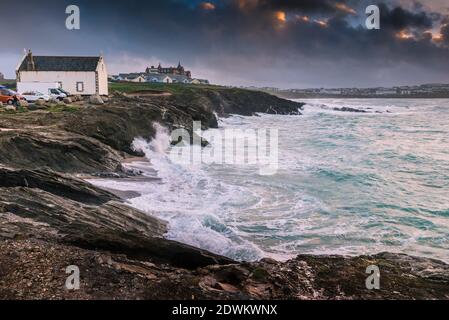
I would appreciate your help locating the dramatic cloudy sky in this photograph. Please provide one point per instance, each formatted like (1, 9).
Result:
(284, 43)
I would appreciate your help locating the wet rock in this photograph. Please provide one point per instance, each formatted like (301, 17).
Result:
(57, 149)
(348, 109)
(49, 206)
(247, 103)
(55, 183)
(39, 102)
(96, 100)
(22, 104)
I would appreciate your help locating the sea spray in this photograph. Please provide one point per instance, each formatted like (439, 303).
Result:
(191, 201)
(158, 145)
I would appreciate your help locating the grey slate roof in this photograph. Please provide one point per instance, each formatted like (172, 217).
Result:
(179, 78)
(156, 77)
(49, 63)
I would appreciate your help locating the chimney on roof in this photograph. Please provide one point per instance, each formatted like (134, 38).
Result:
(30, 61)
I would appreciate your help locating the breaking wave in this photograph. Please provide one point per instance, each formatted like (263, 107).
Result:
(348, 183)
(191, 201)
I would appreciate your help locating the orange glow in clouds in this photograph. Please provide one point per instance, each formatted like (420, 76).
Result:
(437, 37)
(321, 23)
(247, 4)
(344, 8)
(281, 16)
(303, 18)
(207, 6)
(403, 35)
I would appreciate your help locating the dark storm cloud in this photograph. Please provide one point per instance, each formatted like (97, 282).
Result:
(263, 42)
(321, 6)
(399, 18)
(445, 34)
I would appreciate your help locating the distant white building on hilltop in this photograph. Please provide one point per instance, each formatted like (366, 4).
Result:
(160, 75)
(77, 75)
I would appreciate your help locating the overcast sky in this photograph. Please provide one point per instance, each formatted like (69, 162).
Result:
(283, 43)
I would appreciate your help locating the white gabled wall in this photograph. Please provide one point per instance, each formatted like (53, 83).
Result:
(102, 72)
(69, 79)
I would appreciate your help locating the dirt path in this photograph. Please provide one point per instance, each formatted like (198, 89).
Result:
(149, 93)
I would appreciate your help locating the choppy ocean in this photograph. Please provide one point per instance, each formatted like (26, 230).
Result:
(348, 183)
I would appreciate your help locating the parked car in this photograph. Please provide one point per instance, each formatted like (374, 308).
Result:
(48, 88)
(55, 93)
(7, 96)
(32, 96)
(64, 92)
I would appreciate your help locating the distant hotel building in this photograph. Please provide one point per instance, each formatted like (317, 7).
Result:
(161, 75)
(179, 70)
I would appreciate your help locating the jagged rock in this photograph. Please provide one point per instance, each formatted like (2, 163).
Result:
(55, 207)
(116, 276)
(57, 149)
(10, 108)
(348, 109)
(67, 100)
(247, 103)
(22, 104)
(39, 102)
(96, 100)
(55, 183)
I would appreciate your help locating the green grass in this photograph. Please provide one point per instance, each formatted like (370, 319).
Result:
(63, 108)
(181, 92)
(18, 111)
(128, 87)
(53, 109)
(11, 84)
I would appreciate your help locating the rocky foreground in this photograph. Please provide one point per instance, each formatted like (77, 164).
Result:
(50, 219)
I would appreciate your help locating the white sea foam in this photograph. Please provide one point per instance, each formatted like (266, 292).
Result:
(189, 200)
(347, 183)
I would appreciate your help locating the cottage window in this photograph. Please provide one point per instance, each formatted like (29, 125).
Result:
(80, 86)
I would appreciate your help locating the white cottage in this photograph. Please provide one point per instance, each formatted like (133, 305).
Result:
(159, 78)
(77, 75)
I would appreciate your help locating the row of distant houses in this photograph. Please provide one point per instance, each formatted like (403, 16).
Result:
(157, 78)
(161, 74)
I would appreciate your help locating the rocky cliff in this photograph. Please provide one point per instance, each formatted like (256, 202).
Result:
(49, 219)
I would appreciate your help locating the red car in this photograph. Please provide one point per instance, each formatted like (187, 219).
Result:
(8, 96)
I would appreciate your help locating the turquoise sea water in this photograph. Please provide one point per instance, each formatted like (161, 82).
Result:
(348, 183)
